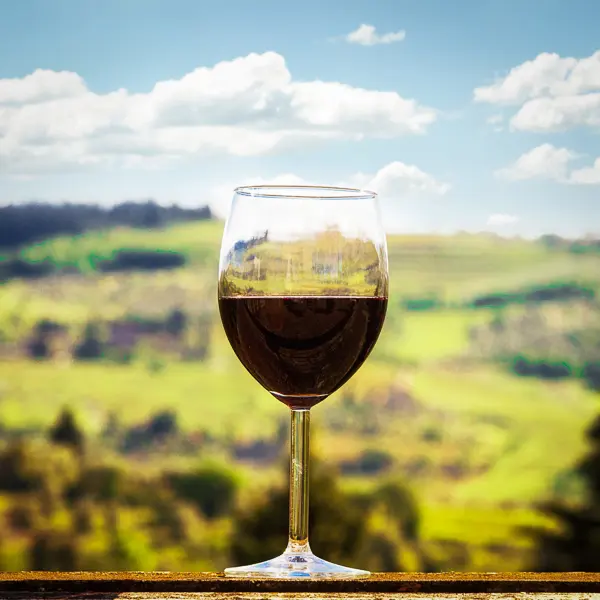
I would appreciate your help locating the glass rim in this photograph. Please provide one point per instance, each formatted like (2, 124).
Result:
(304, 192)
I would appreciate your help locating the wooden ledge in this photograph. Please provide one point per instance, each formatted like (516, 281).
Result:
(40, 584)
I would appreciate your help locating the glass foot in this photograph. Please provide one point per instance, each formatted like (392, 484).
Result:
(293, 565)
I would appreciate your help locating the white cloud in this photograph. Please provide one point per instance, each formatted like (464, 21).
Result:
(394, 181)
(366, 35)
(39, 86)
(587, 175)
(500, 220)
(398, 179)
(363, 112)
(247, 106)
(554, 93)
(542, 162)
(557, 114)
(548, 162)
(532, 79)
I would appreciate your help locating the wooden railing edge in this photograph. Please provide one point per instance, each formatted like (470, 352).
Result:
(173, 582)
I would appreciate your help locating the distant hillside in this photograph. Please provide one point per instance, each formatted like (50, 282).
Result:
(117, 249)
(34, 222)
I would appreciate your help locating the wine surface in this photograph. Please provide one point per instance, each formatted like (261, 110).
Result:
(302, 348)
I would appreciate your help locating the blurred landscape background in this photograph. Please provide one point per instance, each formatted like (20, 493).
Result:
(130, 435)
(132, 438)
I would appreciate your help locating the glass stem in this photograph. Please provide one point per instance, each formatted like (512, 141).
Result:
(299, 458)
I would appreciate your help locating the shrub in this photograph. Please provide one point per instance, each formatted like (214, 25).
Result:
(370, 462)
(591, 374)
(212, 489)
(161, 427)
(421, 304)
(66, 432)
(142, 260)
(18, 268)
(543, 369)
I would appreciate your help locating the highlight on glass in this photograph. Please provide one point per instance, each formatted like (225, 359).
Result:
(302, 291)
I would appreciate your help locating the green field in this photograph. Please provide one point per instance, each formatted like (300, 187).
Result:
(479, 445)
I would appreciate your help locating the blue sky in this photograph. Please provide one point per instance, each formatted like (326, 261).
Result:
(515, 157)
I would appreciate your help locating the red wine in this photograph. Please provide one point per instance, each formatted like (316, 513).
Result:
(302, 348)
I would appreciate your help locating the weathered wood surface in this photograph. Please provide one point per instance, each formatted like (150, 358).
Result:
(214, 586)
(289, 596)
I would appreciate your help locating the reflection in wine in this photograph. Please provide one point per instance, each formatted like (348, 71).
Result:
(302, 348)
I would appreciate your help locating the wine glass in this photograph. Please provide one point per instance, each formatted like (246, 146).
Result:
(303, 286)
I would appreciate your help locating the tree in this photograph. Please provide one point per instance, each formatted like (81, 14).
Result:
(176, 322)
(37, 348)
(211, 488)
(90, 348)
(17, 465)
(401, 505)
(24, 223)
(163, 425)
(66, 432)
(576, 544)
